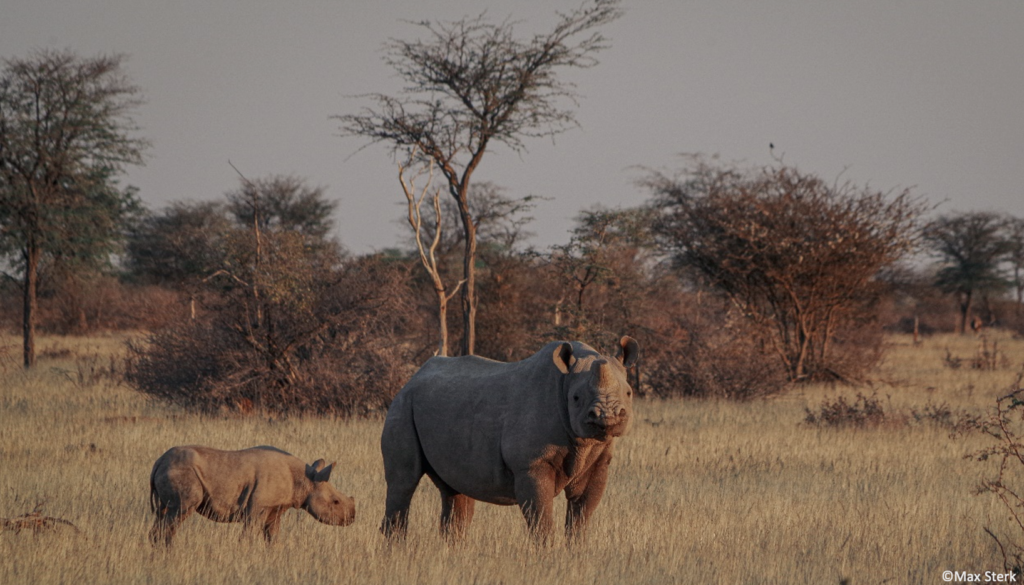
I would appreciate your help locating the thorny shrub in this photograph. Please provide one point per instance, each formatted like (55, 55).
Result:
(1005, 425)
(985, 358)
(862, 411)
(317, 339)
(692, 353)
(867, 411)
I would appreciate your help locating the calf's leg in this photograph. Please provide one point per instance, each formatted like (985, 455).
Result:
(169, 515)
(272, 524)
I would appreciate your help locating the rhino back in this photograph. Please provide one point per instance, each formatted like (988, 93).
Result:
(478, 419)
(235, 481)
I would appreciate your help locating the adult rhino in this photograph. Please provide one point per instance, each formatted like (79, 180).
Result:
(508, 433)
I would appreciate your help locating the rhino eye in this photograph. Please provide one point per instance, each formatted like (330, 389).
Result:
(576, 398)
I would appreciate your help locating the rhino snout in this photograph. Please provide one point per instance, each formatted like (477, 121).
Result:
(604, 417)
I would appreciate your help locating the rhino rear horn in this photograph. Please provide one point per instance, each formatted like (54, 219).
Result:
(563, 357)
(629, 351)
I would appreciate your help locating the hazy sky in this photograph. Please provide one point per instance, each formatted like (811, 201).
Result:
(892, 93)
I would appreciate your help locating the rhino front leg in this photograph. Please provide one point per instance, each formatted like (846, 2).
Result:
(583, 497)
(535, 494)
(251, 519)
(272, 524)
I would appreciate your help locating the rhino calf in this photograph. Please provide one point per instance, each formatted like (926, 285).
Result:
(253, 486)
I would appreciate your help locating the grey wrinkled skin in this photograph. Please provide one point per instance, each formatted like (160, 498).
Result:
(253, 486)
(508, 433)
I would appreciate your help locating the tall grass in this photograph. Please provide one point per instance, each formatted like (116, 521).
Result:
(700, 491)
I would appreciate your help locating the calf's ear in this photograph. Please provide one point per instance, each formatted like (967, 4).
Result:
(324, 474)
(563, 357)
(629, 351)
(314, 468)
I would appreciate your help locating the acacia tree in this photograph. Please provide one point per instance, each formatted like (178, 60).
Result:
(66, 133)
(499, 223)
(970, 247)
(287, 203)
(602, 243)
(472, 84)
(1015, 257)
(427, 238)
(797, 256)
(179, 246)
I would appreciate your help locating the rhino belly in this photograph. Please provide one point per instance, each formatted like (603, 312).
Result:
(470, 463)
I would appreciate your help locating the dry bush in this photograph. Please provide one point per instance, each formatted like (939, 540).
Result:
(867, 411)
(797, 255)
(104, 303)
(703, 352)
(863, 411)
(985, 358)
(95, 303)
(517, 311)
(338, 347)
(1005, 426)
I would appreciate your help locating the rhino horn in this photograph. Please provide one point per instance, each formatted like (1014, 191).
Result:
(605, 377)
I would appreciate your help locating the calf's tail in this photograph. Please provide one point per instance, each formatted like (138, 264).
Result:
(154, 499)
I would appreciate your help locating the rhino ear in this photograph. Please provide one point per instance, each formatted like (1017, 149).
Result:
(325, 473)
(314, 468)
(629, 351)
(563, 357)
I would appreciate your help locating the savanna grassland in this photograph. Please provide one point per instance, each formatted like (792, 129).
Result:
(701, 491)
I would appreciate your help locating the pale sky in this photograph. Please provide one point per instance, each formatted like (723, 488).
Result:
(926, 94)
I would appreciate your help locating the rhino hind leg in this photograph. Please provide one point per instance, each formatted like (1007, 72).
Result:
(169, 515)
(456, 510)
(404, 466)
(175, 494)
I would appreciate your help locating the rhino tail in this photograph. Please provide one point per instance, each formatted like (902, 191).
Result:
(154, 498)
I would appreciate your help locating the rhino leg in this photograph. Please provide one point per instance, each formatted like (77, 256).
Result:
(253, 517)
(456, 510)
(167, 521)
(583, 496)
(175, 494)
(404, 466)
(535, 494)
(272, 524)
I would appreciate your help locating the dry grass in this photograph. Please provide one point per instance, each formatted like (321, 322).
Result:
(701, 491)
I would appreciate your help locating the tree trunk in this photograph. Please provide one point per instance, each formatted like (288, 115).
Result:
(469, 288)
(965, 311)
(32, 254)
(442, 322)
